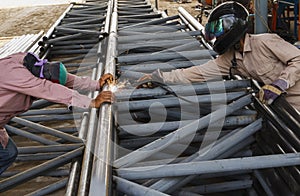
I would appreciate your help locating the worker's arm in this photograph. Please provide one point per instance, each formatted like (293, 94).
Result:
(213, 69)
(86, 83)
(82, 83)
(22, 81)
(289, 55)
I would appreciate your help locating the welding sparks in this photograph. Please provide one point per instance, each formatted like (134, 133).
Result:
(114, 86)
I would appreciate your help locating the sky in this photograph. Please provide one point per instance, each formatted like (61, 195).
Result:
(25, 3)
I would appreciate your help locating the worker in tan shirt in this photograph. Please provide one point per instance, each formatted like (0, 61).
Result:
(24, 77)
(266, 58)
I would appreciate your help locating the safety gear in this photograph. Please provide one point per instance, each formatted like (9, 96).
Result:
(227, 23)
(268, 93)
(53, 71)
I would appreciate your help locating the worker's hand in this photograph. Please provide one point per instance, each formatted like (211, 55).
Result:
(150, 80)
(103, 97)
(145, 81)
(3, 137)
(106, 79)
(268, 93)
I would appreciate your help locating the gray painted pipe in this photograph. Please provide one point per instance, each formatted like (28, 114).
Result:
(45, 129)
(190, 89)
(50, 188)
(38, 157)
(173, 137)
(37, 170)
(170, 36)
(63, 38)
(178, 102)
(74, 176)
(46, 112)
(134, 189)
(220, 187)
(162, 44)
(45, 118)
(150, 128)
(152, 22)
(52, 148)
(31, 136)
(165, 56)
(208, 153)
(215, 166)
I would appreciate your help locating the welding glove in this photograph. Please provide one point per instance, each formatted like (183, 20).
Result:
(103, 97)
(106, 79)
(268, 93)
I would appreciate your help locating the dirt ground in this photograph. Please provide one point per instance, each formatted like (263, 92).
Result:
(171, 6)
(28, 20)
(31, 20)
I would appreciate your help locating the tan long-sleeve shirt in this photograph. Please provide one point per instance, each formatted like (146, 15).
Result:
(266, 57)
(19, 87)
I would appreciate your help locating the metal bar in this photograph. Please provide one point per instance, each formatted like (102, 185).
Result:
(31, 136)
(220, 187)
(101, 173)
(46, 112)
(38, 157)
(204, 167)
(45, 129)
(50, 188)
(210, 152)
(192, 89)
(134, 189)
(52, 148)
(46, 118)
(165, 56)
(179, 101)
(72, 187)
(63, 38)
(162, 143)
(149, 128)
(170, 36)
(35, 171)
(158, 21)
(86, 164)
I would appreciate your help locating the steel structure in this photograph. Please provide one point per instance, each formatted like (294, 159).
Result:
(185, 139)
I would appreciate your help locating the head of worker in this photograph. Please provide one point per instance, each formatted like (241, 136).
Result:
(41, 68)
(226, 26)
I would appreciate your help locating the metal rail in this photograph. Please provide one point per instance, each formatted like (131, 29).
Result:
(168, 140)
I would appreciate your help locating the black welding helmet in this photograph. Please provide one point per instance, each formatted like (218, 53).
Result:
(227, 23)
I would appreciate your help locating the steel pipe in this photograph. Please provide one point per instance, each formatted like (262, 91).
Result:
(50, 188)
(35, 171)
(31, 136)
(101, 173)
(134, 189)
(215, 166)
(47, 130)
(162, 143)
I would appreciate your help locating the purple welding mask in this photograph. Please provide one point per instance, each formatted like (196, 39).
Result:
(41, 68)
